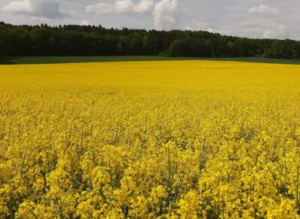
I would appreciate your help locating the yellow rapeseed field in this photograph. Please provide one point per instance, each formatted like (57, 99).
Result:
(174, 139)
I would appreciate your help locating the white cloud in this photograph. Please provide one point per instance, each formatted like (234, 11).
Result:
(100, 8)
(279, 33)
(263, 9)
(164, 14)
(211, 30)
(38, 9)
(144, 6)
(122, 7)
(19, 7)
(84, 23)
(196, 25)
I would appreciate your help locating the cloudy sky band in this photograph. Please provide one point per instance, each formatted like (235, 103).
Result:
(250, 18)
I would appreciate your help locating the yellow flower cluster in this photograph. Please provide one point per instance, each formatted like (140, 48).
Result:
(177, 139)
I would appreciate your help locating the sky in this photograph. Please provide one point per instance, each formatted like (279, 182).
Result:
(247, 18)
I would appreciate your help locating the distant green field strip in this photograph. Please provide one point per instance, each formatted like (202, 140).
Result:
(79, 59)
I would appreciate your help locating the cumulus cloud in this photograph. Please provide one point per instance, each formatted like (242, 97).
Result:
(122, 7)
(144, 6)
(164, 14)
(19, 7)
(211, 30)
(38, 9)
(84, 23)
(197, 25)
(279, 33)
(263, 9)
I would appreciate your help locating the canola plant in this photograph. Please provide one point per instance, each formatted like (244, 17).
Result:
(174, 139)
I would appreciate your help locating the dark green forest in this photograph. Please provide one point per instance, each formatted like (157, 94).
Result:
(76, 40)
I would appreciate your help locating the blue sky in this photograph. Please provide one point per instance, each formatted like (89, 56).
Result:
(250, 18)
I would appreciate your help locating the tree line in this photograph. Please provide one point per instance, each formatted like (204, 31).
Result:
(44, 40)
